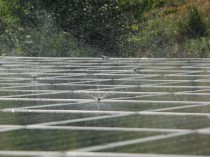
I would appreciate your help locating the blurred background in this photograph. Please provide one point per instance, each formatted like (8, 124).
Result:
(115, 28)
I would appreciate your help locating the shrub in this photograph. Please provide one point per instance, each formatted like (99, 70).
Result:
(199, 47)
(191, 25)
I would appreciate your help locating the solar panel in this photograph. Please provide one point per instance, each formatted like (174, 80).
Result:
(109, 107)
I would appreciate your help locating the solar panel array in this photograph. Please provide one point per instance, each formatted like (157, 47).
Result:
(108, 107)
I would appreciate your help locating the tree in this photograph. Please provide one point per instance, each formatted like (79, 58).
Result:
(101, 24)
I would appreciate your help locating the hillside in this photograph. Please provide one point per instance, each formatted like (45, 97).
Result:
(125, 28)
(178, 28)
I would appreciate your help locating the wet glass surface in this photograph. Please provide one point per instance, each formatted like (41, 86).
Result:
(5, 104)
(59, 140)
(193, 144)
(150, 121)
(34, 118)
(119, 105)
(200, 109)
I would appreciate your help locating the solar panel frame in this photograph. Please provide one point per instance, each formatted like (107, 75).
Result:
(104, 107)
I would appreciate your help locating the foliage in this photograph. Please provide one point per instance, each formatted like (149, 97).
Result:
(89, 21)
(43, 40)
(34, 33)
(126, 28)
(7, 12)
(191, 25)
(201, 45)
(174, 29)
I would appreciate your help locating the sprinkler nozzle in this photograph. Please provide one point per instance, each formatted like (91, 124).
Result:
(99, 99)
(34, 77)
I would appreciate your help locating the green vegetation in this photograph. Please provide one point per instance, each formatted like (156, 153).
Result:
(174, 29)
(126, 28)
